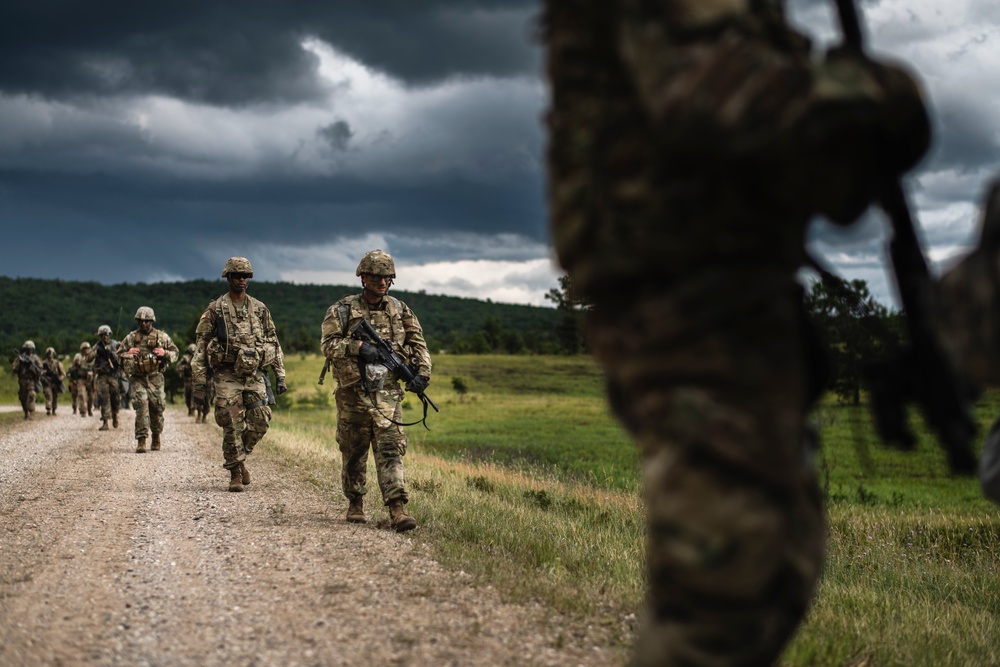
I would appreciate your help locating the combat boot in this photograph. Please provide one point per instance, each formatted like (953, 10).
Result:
(155, 445)
(401, 521)
(104, 425)
(356, 511)
(244, 473)
(47, 412)
(114, 420)
(235, 479)
(140, 447)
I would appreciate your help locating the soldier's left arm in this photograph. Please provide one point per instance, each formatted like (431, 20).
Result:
(271, 337)
(169, 347)
(414, 341)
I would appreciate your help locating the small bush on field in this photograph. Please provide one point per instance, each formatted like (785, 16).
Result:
(458, 384)
(480, 483)
(539, 497)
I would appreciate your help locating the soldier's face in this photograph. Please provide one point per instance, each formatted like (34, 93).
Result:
(238, 282)
(376, 285)
(145, 326)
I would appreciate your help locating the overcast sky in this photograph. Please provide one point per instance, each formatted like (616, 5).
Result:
(143, 142)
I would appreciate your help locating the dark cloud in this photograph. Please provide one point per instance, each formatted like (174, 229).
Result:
(337, 134)
(234, 54)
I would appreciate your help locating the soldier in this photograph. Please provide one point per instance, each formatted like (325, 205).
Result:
(201, 407)
(144, 354)
(369, 408)
(28, 369)
(52, 380)
(107, 367)
(690, 143)
(237, 340)
(83, 378)
(184, 370)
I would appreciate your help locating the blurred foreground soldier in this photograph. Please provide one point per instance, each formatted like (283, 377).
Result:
(966, 306)
(104, 360)
(83, 378)
(52, 380)
(690, 143)
(184, 370)
(369, 407)
(236, 339)
(144, 353)
(28, 369)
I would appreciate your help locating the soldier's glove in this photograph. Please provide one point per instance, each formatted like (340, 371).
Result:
(282, 387)
(418, 384)
(368, 352)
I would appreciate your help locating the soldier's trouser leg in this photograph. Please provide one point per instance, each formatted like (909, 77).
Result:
(389, 445)
(49, 394)
(241, 429)
(735, 526)
(360, 426)
(26, 395)
(354, 437)
(107, 396)
(140, 404)
(157, 405)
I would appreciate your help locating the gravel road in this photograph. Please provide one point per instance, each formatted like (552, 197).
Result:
(108, 557)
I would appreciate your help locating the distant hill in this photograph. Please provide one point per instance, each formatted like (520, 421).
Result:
(63, 313)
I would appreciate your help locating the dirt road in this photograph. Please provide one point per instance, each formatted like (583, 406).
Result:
(108, 557)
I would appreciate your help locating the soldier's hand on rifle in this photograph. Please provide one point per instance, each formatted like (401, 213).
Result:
(418, 384)
(282, 387)
(368, 352)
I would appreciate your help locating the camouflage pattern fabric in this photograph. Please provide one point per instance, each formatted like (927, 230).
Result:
(362, 426)
(50, 387)
(28, 377)
(84, 383)
(248, 327)
(107, 395)
(690, 142)
(149, 399)
(363, 418)
(184, 370)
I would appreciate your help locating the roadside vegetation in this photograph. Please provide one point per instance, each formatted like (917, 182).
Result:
(526, 482)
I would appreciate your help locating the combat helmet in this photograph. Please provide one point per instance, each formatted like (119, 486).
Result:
(28, 345)
(104, 329)
(50, 352)
(377, 263)
(145, 313)
(237, 265)
(84, 346)
(192, 348)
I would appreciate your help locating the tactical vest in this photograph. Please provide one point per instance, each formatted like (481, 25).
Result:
(387, 321)
(238, 339)
(145, 362)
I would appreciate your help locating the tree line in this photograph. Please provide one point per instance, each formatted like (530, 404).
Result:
(61, 314)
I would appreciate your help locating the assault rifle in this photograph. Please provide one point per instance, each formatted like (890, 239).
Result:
(54, 381)
(921, 374)
(389, 358)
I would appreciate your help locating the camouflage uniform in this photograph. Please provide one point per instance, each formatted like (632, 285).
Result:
(52, 380)
(146, 379)
(363, 418)
(184, 370)
(690, 142)
(241, 407)
(28, 369)
(107, 368)
(83, 379)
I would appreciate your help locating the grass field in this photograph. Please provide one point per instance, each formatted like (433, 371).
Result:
(525, 481)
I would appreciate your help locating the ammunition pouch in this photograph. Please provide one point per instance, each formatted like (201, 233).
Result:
(215, 352)
(247, 362)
